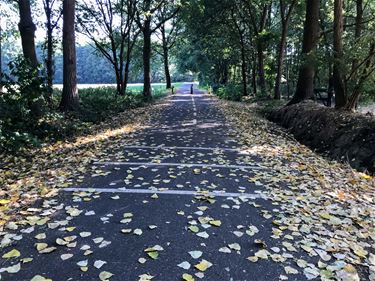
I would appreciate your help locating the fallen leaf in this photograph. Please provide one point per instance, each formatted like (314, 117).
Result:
(12, 254)
(203, 265)
(105, 275)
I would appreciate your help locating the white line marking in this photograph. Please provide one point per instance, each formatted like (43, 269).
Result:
(182, 165)
(183, 148)
(192, 122)
(168, 192)
(194, 107)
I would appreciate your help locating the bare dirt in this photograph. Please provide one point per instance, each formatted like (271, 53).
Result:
(348, 137)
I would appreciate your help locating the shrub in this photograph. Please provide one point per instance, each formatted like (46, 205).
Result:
(230, 92)
(22, 105)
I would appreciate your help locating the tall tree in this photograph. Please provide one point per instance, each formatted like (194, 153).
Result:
(110, 26)
(286, 12)
(259, 15)
(52, 19)
(1, 53)
(338, 75)
(27, 30)
(149, 23)
(311, 34)
(241, 33)
(168, 34)
(70, 98)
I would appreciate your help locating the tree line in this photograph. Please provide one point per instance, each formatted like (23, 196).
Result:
(281, 48)
(114, 27)
(267, 48)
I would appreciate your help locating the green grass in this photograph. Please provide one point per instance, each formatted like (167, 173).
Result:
(155, 87)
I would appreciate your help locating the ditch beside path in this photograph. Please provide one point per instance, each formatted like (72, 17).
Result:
(181, 200)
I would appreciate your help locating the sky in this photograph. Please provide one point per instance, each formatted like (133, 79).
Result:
(11, 20)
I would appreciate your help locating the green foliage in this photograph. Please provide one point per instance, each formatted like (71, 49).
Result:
(26, 121)
(230, 92)
(97, 104)
(22, 104)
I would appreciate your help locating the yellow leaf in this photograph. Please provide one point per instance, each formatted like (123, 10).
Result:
(203, 265)
(70, 229)
(153, 255)
(187, 277)
(41, 246)
(215, 223)
(4, 201)
(194, 228)
(12, 254)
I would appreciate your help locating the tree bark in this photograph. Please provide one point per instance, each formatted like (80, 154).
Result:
(147, 91)
(244, 68)
(280, 62)
(285, 19)
(260, 49)
(70, 98)
(338, 77)
(166, 57)
(367, 71)
(305, 84)
(254, 77)
(261, 71)
(1, 58)
(27, 30)
(50, 50)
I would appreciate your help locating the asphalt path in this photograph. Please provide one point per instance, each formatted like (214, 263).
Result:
(181, 185)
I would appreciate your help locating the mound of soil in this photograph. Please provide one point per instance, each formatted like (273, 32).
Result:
(342, 135)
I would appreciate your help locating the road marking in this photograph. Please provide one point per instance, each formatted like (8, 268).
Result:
(184, 148)
(194, 107)
(169, 192)
(182, 165)
(192, 122)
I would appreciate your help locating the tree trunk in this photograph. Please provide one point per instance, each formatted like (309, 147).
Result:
(126, 76)
(244, 68)
(27, 30)
(166, 58)
(285, 19)
(261, 71)
(280, 63)
(1, 58)
(254, 77)
(130, 46)
(118, 80)
(305, 84)
(168, 78)
(49, 58)
(357, 33)
(367, 71)
(147, 91)
(70, 98)
(338, 77)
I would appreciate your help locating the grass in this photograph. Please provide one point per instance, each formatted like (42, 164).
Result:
(98, 104)
(155, 87)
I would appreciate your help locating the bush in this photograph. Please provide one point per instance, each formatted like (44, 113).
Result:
(26, 120)
(97, 104)
(230, 92)
(22, 105)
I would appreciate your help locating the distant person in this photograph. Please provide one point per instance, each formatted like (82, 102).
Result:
(192, 89)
